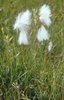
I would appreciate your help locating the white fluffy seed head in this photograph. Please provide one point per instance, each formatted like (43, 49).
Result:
(23, 21)
(45, 14)
(42, 34)
(50, 46)
(23, 38)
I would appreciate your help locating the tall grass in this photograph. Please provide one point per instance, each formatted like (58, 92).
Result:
(31, 72)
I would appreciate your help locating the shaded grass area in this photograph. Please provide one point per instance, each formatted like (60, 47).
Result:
(31, 72)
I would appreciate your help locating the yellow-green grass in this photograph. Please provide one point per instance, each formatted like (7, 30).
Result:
(31, 72)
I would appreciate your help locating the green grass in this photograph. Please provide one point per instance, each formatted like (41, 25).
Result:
(31, 72)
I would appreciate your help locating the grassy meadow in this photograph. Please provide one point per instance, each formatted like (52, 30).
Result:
(31, 72)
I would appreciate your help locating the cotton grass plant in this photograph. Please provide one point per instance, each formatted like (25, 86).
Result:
(22, 24)
(35, 71)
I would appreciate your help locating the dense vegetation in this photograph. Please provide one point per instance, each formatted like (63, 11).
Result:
(31, 72)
